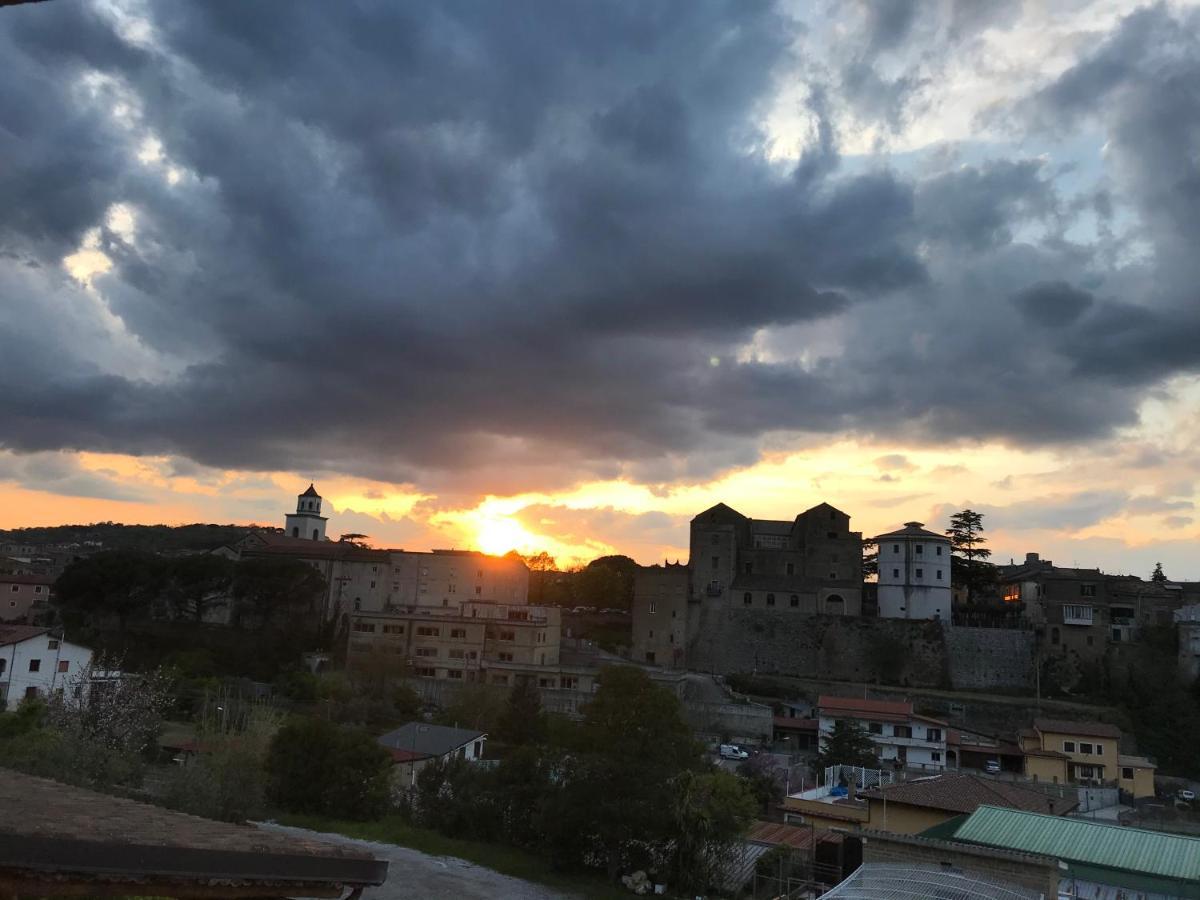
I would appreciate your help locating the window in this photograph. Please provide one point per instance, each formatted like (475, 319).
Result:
(874, 728)
(746, 598)
(3, 665)
(63, 665)
(454, 674)
(478, 590)
(933, 734)
(506, 657)
(794, 600)
(426, 651)
(1068, 746)
(939, 549)
(652, 635)
(939, 574)
(451, 589)
(920, 573)
(833, 574)
(428, 631)
(35, 665)
(902, 731)
(716, 539)
(1127, 773)
(895, 573)
(1087, 590)
(367, 627)
(52, 644)
(1099, 749)
(15, 588)
(456, 654)
(508, 635)
(499, 679)
(425, 672)
(458, 632)
(372, 585)
(546, 682)
(920, 549)
(935, 755)
(569, 682)
(652, 607)
(37, 589)
(393, 629)
(716, 562)
(479, 573)
(357, 604)
(895, 548)
(770, 599)
(791, 568)
(749, 568)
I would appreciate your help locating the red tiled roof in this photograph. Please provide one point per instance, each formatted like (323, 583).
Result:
(796, 837)
(853, 706)
(966, 793)
(26, 579)
(1087, 729)
(14, 634)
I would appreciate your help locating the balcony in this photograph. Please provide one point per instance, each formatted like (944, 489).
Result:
(1077, 615)
(714, 589)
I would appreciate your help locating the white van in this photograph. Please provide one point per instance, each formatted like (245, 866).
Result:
(733, 751)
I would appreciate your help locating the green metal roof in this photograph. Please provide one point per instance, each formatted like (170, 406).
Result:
(1082, 841)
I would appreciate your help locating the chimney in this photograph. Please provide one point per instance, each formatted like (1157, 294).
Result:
(852, 790)
(1031, 558)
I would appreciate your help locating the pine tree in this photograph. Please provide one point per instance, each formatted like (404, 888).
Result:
(1158, 576)
(970, 567)
(846, 745)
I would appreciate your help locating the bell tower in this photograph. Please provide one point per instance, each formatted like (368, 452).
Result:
(307, 522)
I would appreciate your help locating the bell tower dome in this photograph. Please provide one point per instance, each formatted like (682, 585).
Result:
(307, 522)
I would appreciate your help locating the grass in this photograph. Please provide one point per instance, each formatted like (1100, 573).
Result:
(498, 857)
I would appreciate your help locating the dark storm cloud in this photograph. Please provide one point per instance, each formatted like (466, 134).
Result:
(1053, 303)
(410, 240)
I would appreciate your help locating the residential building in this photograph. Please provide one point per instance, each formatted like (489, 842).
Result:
(809, 565)
(1096, 859)
(904, 738)
(35, 662)
(417, 744)
(911, 807)
(1187, 621)
(22, 596)
(914, 574)
(1083, 753)
(660, 607)
(1085, 611)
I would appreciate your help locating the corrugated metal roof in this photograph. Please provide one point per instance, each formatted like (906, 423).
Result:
(1076, 840)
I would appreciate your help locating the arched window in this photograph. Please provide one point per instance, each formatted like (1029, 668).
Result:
(296, 531)
(746, 598)
(770, 599)
(795, 600)
(316, 534)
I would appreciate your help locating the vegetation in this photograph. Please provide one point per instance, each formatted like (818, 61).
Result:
(314, 766)
(845, 745)
(969, 562)
(1158, 576)
(606, 582)
(144, 538)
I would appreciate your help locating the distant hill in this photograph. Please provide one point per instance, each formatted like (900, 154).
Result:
(113, 535)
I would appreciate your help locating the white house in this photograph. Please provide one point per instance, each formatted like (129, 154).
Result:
(914, 574)
(35, 662)
(902, 736)
(415, 745)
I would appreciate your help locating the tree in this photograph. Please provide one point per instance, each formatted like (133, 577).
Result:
(710, 811)
(969, 565)
(845, 745)
(870, 558)
(197, 584)
(116, 583)
(522, 722)
(1158, 576)
(283, 592)
(314, 766)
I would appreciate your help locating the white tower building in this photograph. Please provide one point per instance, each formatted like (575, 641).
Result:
(307, 522)
(914, 574)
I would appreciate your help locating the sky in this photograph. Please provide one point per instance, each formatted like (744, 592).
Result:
(557, 276)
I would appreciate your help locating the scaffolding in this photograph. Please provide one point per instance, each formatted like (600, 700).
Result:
(887, 881)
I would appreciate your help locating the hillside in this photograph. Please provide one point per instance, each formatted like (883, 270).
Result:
(113, 535)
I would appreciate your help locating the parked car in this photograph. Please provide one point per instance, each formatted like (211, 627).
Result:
(1186, 795)
(733, 751)
(992, 767)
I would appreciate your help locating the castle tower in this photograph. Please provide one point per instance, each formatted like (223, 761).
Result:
(914, 574)
(307, 522)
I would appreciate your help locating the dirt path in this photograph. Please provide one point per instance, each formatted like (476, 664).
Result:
(412, 874)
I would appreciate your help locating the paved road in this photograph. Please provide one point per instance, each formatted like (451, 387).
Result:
(413, 874)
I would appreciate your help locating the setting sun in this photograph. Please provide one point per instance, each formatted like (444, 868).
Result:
(498, 536)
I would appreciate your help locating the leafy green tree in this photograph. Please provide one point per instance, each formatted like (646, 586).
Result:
(315, 766)
(117, 583)
(522, 722)
(870, 558)
(476, 706)
(764, 779)
(1158, 576)
(711, 812)
(845, 745)
(197, 584)
(283, 592)
(969, 562)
